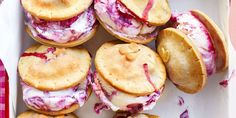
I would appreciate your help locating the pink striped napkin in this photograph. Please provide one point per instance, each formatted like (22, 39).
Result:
(4, 92)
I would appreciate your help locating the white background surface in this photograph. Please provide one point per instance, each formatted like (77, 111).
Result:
(213, 102)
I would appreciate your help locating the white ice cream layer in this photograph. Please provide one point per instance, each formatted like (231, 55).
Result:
(198, 33)
(118, 100)
(59, 31)
(55, 100)
(110, 13)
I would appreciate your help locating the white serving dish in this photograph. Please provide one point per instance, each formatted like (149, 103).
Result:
(213, 102)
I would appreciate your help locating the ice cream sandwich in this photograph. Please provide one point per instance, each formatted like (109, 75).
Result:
(129, 77)
(55, 80)
(60, 23)
(138, 115)
(133, 20)
(32, 114)
(192, 50)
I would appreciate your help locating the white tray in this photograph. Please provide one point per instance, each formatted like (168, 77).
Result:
(213, 102)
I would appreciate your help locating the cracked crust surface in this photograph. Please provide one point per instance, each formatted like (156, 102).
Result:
(55, 10)
(59, 69)
(122, 66)
(156, 12)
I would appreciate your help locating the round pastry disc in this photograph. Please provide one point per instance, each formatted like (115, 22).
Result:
(49, 68)
(182, 59)
(218, 40)
(56, 113)
(55, 10)
(32, 114)
(131, 68)
(156, 12)
(139, 115)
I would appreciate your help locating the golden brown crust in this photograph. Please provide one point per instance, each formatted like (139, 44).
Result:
(66, 67)
(55, 113)
(218, 40)
(121, 65)
(55, 10)
(159, 12)
(146, 39)
(184, 64)
(32, 114)
(139, 115)
(68, 44)
(89, 91)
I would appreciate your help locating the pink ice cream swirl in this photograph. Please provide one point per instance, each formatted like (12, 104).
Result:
(62, 31)
(198, 33)
(114, 99)
(55, 100)
(117, 18)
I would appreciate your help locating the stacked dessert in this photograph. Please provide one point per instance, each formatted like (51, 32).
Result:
(128, 77)
(55, 80)
(61, 23)
(133, 20)
(193, 49)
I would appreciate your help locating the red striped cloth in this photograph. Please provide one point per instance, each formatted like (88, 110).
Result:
(4, 92)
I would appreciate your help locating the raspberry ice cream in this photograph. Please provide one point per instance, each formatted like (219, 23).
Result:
(62, 31)
(118, 19)
(118, 100)
(198, 33)
(55, 100)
